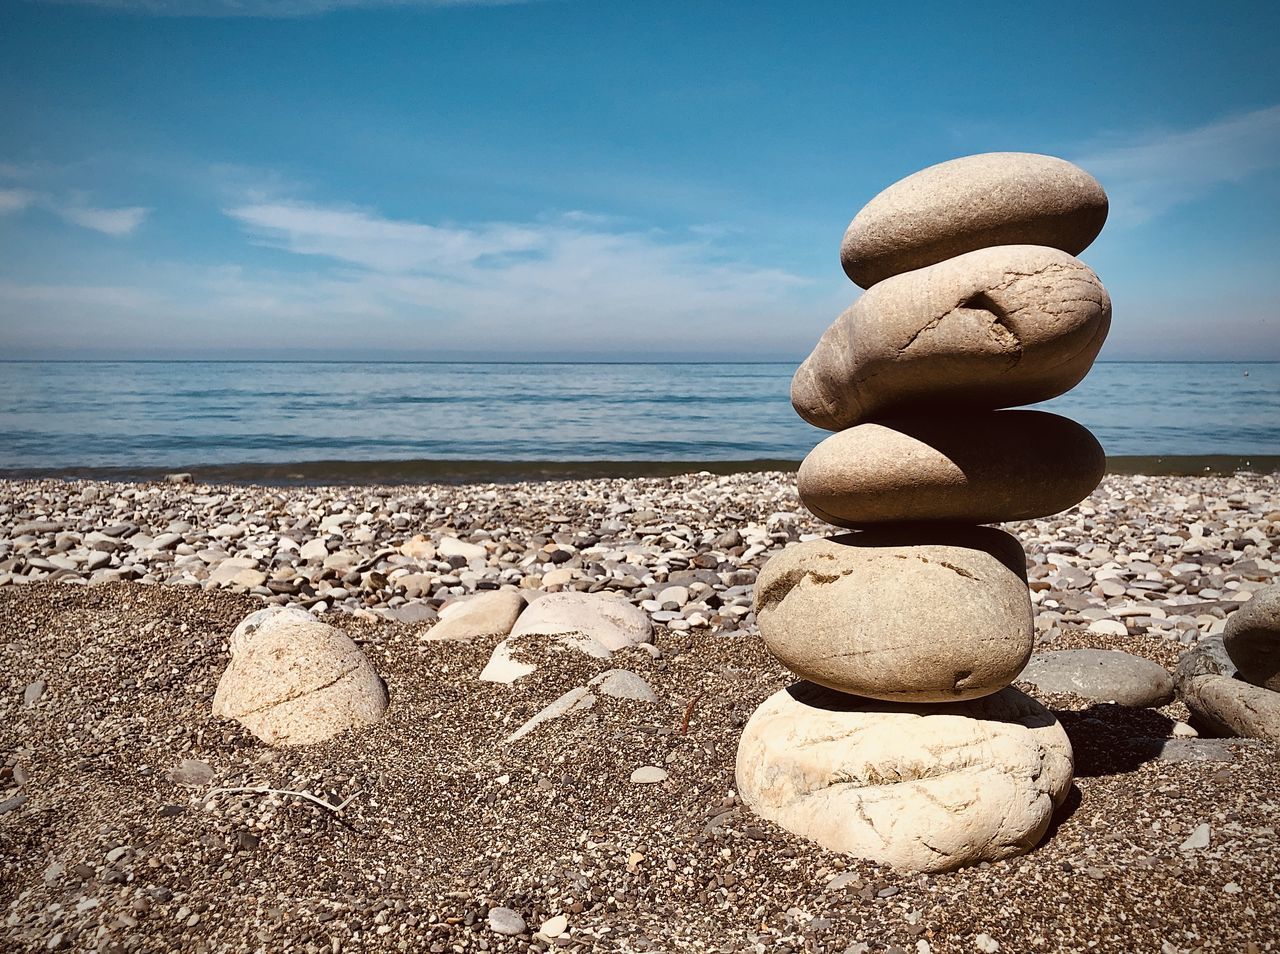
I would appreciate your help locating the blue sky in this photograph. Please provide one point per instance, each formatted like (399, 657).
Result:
(566, 179)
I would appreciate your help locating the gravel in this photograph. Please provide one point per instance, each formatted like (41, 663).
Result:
(441, 823)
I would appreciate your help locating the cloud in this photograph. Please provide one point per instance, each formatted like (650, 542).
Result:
(342, 279)
(1158, 172)
(115, 222)
(15, 200)
(278, 9)
(569, 280)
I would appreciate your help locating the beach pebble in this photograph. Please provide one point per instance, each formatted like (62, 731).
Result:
(916, 788)
(296, 681)
(995, 198)
(995, 328)
(1101, 675)
(192, 772)
(1197, 839)
(981, 468)
(33, 693)
(925, 614)
(553, 927)
(452, 546)
(648, 775)
(482, 616)
(505, 921)
(1252, 639)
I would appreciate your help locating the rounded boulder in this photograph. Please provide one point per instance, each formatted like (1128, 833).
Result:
(918, 614)
(1252, 639)
(295, 680)
(998, 327)
(980, 468)
(994, 198)
(919, 788)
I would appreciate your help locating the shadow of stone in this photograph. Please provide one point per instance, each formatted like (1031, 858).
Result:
(1062, 813)
(1109, 739)
(1008, 705)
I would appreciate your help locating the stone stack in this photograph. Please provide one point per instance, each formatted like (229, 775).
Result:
(905, 743)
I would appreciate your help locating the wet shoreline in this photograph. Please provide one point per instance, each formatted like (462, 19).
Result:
(396, 472)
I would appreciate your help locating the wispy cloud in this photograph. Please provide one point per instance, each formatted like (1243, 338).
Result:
(269, 8)
(15, 200)
(351, 277)
(1157, 172)
(569, 277)
(115, 222)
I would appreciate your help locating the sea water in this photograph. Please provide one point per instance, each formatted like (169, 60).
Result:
(96, 415)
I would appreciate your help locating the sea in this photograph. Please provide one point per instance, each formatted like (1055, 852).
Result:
(317, 421)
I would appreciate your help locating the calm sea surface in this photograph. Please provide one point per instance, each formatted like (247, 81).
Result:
(93, 415)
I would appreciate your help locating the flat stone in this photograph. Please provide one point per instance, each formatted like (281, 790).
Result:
(981, 468)
(994, 328)
(1252, 639)
(920, 614)
(1108, 627)
(294, 681)
(612, 622)
(1189, 750)
(452, 546)
(1221, 703)
(514, 658)
(995, 198)
(412, 613)
(648, 775)
(33, 693)
(1102, 675)
(575, 700)
(505, 921)
(1198, 839)
(919, 788)
(192, 772)
(623, 684)
(483, 616)
(553, 927)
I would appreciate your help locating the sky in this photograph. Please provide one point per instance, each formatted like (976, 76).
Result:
(591, 180)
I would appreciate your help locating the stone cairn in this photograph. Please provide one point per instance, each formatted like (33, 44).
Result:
(905, 742)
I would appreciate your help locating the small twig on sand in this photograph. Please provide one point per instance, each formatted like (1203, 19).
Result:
(688, 711)
(264, 790)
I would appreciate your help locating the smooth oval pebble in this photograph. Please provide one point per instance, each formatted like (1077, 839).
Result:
(994, 198)
(914, 614)
(919, 788)
(979, 468)
(998, 327)
(1252, 639)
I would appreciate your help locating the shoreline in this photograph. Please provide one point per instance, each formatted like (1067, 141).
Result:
(465, 471)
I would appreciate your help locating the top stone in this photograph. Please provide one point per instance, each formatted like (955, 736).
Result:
(996, 198)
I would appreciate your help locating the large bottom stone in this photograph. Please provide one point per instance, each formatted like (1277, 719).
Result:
(916, 787)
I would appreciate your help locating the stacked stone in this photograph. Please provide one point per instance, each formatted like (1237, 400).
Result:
(905, 743)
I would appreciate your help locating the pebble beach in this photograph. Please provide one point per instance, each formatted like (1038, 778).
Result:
(131, 819)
